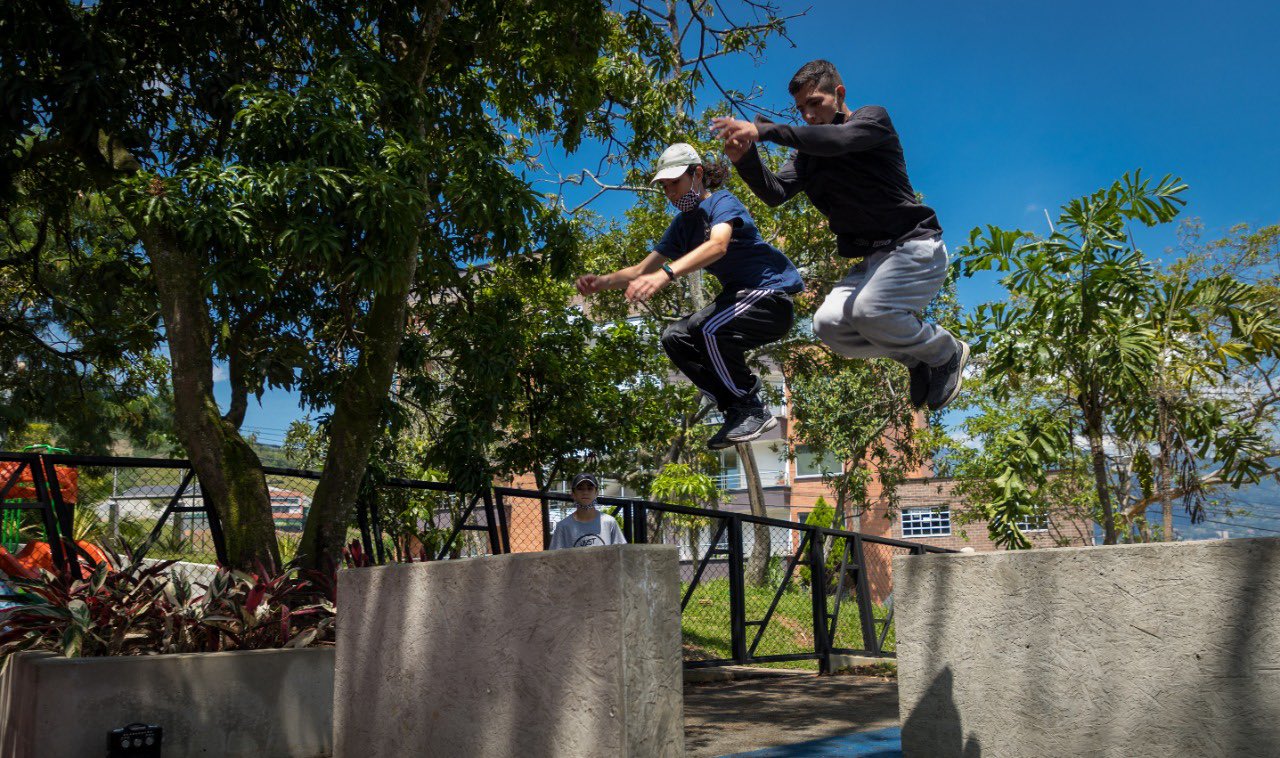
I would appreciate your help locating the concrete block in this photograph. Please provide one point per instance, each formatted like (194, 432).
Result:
(1142, 651)
(562, 653)
(839, 661)
(250, 704)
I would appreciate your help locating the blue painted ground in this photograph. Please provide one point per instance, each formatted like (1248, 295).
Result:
(882, 743)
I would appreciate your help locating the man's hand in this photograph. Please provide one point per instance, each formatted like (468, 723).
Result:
(733, 130)
(735, 149)
(644, 287)
(589, 284)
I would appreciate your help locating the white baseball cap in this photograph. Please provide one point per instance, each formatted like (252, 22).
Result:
(675, 160)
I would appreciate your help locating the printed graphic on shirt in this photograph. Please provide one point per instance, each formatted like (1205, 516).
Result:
(588, 540)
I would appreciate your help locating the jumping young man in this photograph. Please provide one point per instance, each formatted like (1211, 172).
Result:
(851, 166)
(713, 230)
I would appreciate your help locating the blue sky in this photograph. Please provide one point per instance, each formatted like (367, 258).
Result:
(1006, 108)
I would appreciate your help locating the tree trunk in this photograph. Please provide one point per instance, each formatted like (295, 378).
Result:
(357, 413)
(357, 417)
(1093, 429)
(1163, 466)
(230, 473)
(758, 565)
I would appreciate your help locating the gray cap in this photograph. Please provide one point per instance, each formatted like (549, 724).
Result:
(676, 160)
(580, 478)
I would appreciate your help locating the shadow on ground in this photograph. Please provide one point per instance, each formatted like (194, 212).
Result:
(737, 717)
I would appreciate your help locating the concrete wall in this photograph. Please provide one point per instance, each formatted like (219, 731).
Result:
(252, 704)
(195, 573)
(1156, 651)
(562, 653)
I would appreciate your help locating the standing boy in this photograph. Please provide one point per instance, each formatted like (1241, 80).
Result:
(587, 526)
(851, 166)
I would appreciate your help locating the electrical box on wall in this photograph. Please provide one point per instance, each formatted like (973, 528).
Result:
(134, 741)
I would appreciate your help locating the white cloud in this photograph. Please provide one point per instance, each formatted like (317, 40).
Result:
(219, 374)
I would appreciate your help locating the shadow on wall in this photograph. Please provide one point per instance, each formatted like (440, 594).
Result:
(933, 729)
(1249, 674)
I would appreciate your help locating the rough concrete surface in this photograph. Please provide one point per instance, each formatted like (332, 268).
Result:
(562, 653)
(749, 715)
(1159, 651)
(251, 704)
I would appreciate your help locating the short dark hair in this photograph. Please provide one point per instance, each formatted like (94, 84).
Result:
(822, 74)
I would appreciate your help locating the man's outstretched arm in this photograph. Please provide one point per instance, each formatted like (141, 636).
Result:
(773, 188)
(865, 129)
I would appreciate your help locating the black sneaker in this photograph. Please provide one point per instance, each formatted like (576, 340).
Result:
(945, 380)
(919, 384)
(720, 440)
(753, 420)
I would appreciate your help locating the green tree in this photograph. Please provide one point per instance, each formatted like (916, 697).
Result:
(1092, 329)
(77, 328)
(290, 177)
(1053, 485)
(1214, 394)
(520, 380)
(681, 484)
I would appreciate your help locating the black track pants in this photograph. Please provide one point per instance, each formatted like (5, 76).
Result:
(710, 346)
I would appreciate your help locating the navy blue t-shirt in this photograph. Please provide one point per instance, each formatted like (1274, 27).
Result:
(749, 264)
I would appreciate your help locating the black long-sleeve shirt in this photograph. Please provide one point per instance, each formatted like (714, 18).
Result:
(853, 171)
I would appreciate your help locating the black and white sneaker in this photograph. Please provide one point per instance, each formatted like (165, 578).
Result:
(753, 420)
(945, 380)
(919, 392)
(732, 418)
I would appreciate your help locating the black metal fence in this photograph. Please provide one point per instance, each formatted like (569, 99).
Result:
(754, 590)
(156, 506)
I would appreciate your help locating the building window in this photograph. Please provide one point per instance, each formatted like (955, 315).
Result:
(729, 477)
(808, 464)
(926, 522)
(1036, 522)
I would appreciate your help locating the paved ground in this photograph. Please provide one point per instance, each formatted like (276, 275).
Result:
(738, 717)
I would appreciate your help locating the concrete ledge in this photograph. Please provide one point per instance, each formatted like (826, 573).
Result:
(561, 653)
(842, 661)
(195, 573)
(1143, 651)
(251, 704)
(738, 674)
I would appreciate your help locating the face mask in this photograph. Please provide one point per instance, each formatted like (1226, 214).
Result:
(688, 201)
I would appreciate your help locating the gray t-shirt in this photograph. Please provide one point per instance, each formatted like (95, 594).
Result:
(601, 530)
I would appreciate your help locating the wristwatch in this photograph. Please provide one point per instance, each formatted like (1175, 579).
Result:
(670, 274)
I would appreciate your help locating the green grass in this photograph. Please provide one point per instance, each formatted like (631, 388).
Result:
(706, 628)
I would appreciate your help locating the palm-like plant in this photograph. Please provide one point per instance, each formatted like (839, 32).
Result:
(1076, 316)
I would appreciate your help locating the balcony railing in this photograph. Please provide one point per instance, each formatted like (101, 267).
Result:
(734, 480)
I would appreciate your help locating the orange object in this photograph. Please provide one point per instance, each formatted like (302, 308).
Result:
(24, 487)
(38, 555)
(35, 556)
(13, 567)
(94, 552)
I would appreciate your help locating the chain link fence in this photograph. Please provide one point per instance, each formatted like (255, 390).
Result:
(156, 508)
(753, 590)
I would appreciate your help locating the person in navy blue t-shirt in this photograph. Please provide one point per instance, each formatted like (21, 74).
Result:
(714, 231)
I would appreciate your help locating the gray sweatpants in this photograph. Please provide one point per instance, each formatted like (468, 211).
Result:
(874, 312)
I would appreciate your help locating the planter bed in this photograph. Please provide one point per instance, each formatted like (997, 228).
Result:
(258, 703)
